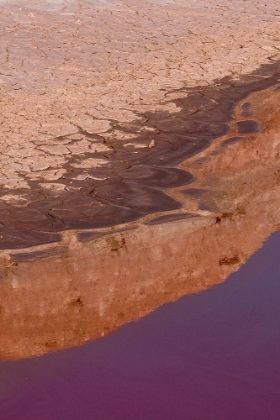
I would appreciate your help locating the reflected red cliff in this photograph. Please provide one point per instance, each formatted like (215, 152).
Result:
(91, 282)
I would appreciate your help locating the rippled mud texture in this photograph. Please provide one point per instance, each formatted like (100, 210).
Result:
(92, 281)
(128, 185)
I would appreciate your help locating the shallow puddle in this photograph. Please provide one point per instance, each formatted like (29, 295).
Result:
(213, 355)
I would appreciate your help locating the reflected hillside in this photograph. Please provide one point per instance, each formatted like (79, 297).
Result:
(56, 296)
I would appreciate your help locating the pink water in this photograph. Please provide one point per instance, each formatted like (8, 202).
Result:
(210, 356)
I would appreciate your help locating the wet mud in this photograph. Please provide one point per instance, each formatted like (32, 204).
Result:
(132, 184)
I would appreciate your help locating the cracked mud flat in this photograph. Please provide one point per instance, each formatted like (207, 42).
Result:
(91, 91)
(124, 148)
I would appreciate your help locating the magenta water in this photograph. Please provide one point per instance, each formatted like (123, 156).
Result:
(210, 356)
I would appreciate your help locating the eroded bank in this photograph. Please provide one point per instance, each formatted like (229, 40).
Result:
(92, 281)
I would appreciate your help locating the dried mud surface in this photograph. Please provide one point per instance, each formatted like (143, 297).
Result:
(139, 159)
(101, 100)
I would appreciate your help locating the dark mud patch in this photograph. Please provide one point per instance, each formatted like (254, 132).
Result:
(247, 109)
(133, 185)
(248, 127)
(24, 238)
(207, 206)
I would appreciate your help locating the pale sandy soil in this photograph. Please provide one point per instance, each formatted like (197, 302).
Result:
(94, 64)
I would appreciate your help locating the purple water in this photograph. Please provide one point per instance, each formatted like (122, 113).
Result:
(210, 356)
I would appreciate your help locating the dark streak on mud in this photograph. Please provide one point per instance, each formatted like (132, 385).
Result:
(232, 140)
(90, 236)
(170, 218)
(194, 192)
(135, 182)
(38, 255)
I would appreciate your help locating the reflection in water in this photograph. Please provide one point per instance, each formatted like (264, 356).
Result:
(49, 300)
(213, 355)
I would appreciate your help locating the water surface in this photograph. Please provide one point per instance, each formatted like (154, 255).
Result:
(209, 356)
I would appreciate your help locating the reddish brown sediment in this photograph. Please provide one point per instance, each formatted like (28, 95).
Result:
(92, 90)
(137, 164)
(129, 186)
(86, 286)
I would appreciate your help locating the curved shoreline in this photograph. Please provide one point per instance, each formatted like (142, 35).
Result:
(93, 282)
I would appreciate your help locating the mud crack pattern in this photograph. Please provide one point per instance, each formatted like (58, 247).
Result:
(101, 102)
